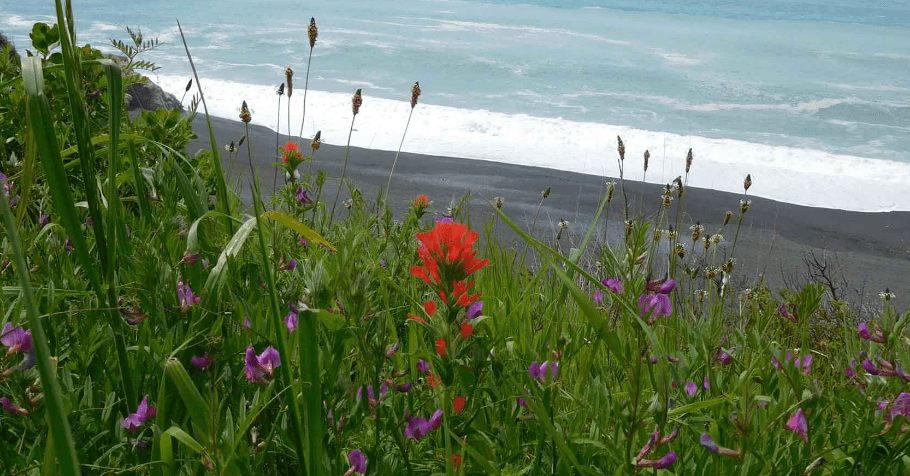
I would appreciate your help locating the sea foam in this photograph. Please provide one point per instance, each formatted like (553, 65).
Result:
(800, 176)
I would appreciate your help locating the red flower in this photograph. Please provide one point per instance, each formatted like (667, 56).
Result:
(432, 381)
(441, 347)
(466, 330)
(430, 307)
(415, 318)
(292, 155)
(456, 460)
(459, 404)
(448, 255)
(421, 201)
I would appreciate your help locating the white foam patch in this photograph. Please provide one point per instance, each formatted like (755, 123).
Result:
(800, 176)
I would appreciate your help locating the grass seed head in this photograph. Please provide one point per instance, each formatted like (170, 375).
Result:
(688, 161)
(245, 115)
(356, 102)
(312, 32)
(747, 182)
(647, 156)
(317, 141)
(289, 77)
(415, 93)
(621, 148)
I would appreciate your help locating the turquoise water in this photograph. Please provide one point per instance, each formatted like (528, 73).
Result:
(827, 78)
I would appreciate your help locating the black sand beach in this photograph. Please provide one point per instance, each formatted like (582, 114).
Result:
(864, 252)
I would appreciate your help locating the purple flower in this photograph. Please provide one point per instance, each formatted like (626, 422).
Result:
(661, 286)
(709, 444)
(707, 384)
(850, 371)
(417, 428)
(614, 285)
(475, 310)
(807, 361)
(45, 219)
(290, 266)
(901, 406)
(436, 420)
(302, 196)
(863, 330)
(393, 349)
(783, 312)
(648, 446)
(653, 306)
(598, 297)
(257, 367)
(142, 445)
(522, 402)
(186, 297)
(358, 462)
(404, 388)
(68, 245)
(143, 412)
(662, 463)
(291, 321)
(722, 357)
(870, 367)
(669, 438)
(8, 190)
(201, 362)
(691, 388)
(246, 323)
(8, 406)
(798, 425)
(539, 371)
(18, 340)
(303, 242)
(423, 367)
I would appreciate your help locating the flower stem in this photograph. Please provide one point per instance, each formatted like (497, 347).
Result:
(344, 169)
(389, 185)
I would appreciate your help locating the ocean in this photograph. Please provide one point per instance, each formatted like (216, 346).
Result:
(810, 97)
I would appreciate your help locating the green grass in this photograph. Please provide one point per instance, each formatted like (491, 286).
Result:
(108, 328)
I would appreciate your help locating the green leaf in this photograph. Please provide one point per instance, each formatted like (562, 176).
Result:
(300, 228)
(195, 404)
(217, 276)
(44, 37)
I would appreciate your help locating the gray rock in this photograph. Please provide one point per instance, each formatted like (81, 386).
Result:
(150, 97)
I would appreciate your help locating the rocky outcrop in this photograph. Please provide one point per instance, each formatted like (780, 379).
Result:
(149, 96)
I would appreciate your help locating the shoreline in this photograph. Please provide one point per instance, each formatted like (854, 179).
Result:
(871, 249)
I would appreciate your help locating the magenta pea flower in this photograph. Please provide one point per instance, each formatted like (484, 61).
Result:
(901, 406)
(435, 420)
(653, 440)
(722, 358)
(45, 219)
(358, 462)
(667, 461)
(291, 320)
(12, 408)
(393, 349)
(423, 367)
(691, 388)
(850, 371)
(17, 340)
(302, 196)
(405, 387)
(201, 362)
(68, 245)
(539, 371)
(246, 323)
(186, 297)
(783, 312)
(709, 444)
(652, 306)
(257, 367)
(143, 412)
(598, 297)
(416, 428)
(707, 384)
(613, 284)
(661, 286)
(797, 424)
(669, 438)
(522, 402)
(475, 310)
(876, 336)
(289, 266)
(303, 242)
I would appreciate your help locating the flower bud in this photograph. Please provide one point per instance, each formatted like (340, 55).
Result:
(245, 115)
(289, 77)
(688, 160)
(647, 156)
(317, 141)
(727, 217)
(748, 182)
(621, 148)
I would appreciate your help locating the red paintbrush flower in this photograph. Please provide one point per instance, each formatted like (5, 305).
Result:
(441, 347)
(459, 404)
(448, 255)
(466, 330)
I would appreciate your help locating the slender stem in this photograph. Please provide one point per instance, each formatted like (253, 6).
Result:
(389, 185)
(344, 169)
(278, 142)
(306, 84)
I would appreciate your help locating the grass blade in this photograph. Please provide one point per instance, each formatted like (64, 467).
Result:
(196, 405)
(53, 399)
(312, 388)
(300, 228)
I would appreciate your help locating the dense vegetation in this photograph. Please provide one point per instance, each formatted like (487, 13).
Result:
(156, 324)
